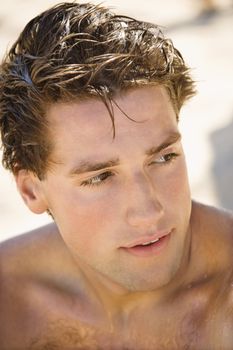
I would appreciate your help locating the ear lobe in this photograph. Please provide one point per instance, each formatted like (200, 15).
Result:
(30, 189)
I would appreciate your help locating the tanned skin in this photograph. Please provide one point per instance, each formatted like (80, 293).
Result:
(75, 284)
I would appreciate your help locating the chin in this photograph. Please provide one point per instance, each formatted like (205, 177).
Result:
(145, 284)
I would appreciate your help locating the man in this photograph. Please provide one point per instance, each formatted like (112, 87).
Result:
(89, 108)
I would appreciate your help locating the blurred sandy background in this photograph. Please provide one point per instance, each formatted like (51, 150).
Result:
(205, 41)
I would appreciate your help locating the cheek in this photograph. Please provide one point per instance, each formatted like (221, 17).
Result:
(175, 185)
(81, 217)
(176, 196)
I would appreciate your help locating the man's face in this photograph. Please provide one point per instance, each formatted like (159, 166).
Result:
(107, 195)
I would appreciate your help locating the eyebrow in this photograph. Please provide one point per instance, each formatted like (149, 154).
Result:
(170, 140)
(87, 166)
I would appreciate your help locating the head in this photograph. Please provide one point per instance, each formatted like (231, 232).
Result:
(72, 65)
(78, 51)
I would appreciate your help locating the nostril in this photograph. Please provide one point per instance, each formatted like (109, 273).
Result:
(144, 217)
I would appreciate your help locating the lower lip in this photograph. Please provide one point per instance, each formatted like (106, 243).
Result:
(150, 250)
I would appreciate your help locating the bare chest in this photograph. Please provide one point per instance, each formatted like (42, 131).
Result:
(147, 333)
(58, 323)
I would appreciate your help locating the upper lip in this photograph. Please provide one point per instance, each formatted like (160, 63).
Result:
(147, 238)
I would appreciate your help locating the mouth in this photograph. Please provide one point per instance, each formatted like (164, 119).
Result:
(150, 242)
(149, 246)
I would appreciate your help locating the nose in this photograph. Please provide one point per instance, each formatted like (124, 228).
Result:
(144, 206)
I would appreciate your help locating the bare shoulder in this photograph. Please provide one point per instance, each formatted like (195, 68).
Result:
(18, 254)
(16, 260)
(214, 233)
(25, 255)
(29, 263)
(214, 229)
(213, 240)
(40, 254)
(214, 221)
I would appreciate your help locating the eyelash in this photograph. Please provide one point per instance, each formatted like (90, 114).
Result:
(103, 177)
(100, 178)
(168, 158)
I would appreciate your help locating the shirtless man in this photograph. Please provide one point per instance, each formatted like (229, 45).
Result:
(89, 106)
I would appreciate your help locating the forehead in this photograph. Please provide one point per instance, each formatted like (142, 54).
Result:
(86, 126)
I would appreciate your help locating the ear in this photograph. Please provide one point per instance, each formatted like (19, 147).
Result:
(30, 188)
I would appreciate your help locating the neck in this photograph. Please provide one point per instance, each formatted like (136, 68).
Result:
(116, 299)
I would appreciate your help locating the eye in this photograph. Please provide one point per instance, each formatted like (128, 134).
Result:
(166, 158)
(97, 180)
